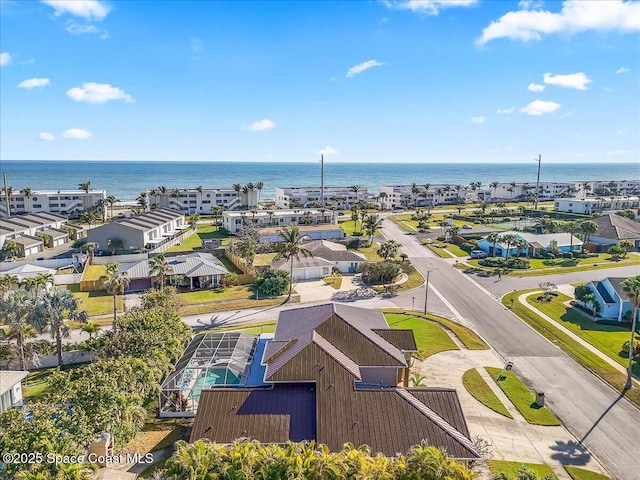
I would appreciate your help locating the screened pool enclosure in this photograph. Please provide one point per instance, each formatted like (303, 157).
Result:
(211, 360)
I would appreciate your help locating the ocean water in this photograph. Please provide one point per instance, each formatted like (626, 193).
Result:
(125, 180)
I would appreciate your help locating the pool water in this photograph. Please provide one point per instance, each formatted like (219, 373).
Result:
(215, 376)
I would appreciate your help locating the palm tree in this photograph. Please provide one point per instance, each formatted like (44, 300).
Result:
(27, 192)
(116, 283)
(110, 200)
(159, 267)
(7, 282)
(571, 228)
(632, 287)
(10, 249)
(522, 245)
(259, 186)
(292, 248)
(587, 228)
(238, 188)
(509, 240)
(143, 201)
(162, 192)
(51, 308)
(43, 280)
(414, 191)
(14, 311)
(86, 186)
(493, 237)
(453, 231)
(90, 328)
(90, 247)
(495, 184)
(9, 193)
(371, 224)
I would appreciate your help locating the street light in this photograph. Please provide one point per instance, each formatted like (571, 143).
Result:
(413, 303)
(426, 290)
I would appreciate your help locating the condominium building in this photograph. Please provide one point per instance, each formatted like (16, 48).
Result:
(595, 204)
(306, 197)
(234, 221)
(64, 202)
(201, 200)
(30, 232)
(395, 196)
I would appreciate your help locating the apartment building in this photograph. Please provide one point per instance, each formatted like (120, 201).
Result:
(308, 197)
(234, 221)
(201, 200)
(63, 202)
(396, 196)
(592, 205)
(30, 232)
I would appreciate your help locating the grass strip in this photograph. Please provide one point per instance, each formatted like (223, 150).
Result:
(478, 388)
(522, 398)
(580, 354)
(581, 474)
(511, 468)
(430, 337)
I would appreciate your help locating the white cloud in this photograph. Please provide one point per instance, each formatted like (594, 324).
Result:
(76, 28)
(575, 16)
(620, 152)
(87, 9)
(328, 150)
(478, 120)
(34, 82)
(534, 87)
(5, 59)
(429, 7)
(98, 93)
(362, 67)
(539, 107)
(505, 111)
(260, 125)
(530, 4)
(76, 134)
(579, 80)
(622, 70)
(46, 136)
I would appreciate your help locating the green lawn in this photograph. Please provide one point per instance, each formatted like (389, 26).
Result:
(204, 232)
(452, 248)
(468, 337)
(370, 252)
(156, 434)
(582, 474)
(240, 292)
(606, 338)
(95, 303)
(95, 272)
(511, 468)
(565, 265)
(582, 355)
(36, 384)
(264, 259)
(430, 338)
(476, 386)
(522, 398)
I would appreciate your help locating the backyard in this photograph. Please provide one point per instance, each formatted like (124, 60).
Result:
(204, 232)
(95, 303)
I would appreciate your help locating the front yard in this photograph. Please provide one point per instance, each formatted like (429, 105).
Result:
(430, 338)
(96, 303)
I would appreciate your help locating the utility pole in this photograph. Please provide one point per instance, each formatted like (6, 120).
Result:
(322, 179)
(6, 195)
(535, 206)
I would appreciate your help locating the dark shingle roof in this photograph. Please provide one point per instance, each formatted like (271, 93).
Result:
(617, 227)
(616, 283)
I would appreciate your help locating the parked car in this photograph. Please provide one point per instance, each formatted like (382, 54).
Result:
(467, 227)
(479, 254)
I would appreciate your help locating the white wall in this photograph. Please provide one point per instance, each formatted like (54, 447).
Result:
(67, 279)
(134, 257)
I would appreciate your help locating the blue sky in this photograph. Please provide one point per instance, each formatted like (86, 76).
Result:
(362, 81)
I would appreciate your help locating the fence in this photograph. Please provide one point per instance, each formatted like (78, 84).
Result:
(240, 263)
(170, 242)
(49, 263)
(70, 357)
(67, 279)
(133, 257)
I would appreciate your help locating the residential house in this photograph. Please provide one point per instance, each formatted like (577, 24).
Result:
(201, 200)
(193, 271)
(326, 256)
(11, 389)
(614, 301)
(564, 242)
(336, 374)
(613, 228)
(235, 221)
(147, 230)
(307, 197)
(313, 232)
(62, 202)
(591, 205)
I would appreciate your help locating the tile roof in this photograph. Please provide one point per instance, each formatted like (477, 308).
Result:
(617, 227)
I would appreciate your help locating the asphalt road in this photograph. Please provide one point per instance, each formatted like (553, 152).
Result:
(607, 425)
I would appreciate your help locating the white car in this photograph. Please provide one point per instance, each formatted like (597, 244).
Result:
(479, 254)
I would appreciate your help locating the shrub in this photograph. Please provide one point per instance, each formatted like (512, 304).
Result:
(272, 283)
(379, 273)
(468, 247)
(230, 279)
(357, 234)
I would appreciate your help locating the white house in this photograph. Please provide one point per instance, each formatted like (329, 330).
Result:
(63, 202)
(326, 256)
(564, 242)
(234, 221)
(592, 205)
(11, 389)
(201, 200)
(395, 196)
(312, 232)
(611, 296)
(305, 197)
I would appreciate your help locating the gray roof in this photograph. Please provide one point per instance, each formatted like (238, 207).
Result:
(543, 240)
(616, 283)
(150, 220)
(190, 265)
(302, 262)
(334, 252)
(54, 232)
(8, 378)
(617, 227)
(27, 240)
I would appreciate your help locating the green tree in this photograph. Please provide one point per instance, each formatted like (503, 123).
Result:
(160, 268)
(7, 282)
(509, 240)
(388, 250)
(52, 309)
(371, 224)
(10, 249)
(86, 186)
(631, 286)
(15, 307)
(380, 273)
(110, 200)
(493, 237)
(571, 228)
(587, 228)
(116, 283)
(616, 251)
(627, 245)
(273, 283)
(291, 248)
